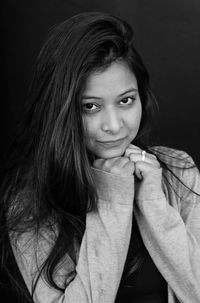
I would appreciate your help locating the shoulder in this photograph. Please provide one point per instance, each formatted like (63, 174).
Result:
(173, 157)
(180, 169)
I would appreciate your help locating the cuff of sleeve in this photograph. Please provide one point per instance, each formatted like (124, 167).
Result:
(111, 187)
(151, 187)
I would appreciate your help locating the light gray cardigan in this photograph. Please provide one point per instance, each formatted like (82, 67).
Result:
(169, 224)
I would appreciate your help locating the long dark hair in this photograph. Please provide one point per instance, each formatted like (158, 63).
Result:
(48, 179)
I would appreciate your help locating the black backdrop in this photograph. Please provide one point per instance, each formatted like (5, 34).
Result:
(167, 36)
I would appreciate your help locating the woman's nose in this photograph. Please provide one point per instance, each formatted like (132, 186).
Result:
(112, 121)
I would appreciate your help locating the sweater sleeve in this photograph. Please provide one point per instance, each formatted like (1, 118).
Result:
(102, 253)
(172, 235)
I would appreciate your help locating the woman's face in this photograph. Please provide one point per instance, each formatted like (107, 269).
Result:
(111, 110)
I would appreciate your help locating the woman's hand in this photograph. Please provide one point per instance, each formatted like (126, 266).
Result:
(122, 166)
(145, 166)
(148, 172)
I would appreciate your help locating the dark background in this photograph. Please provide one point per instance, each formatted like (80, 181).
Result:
(167, 36)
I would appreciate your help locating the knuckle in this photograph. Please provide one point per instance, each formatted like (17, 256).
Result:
(97, 163)
(153, 156)
(115, 170)
(127, 152)
(156, 163)
(107, 165)
(131, 157)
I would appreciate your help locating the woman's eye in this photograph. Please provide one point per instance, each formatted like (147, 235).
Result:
(128, 100)
(89, 106)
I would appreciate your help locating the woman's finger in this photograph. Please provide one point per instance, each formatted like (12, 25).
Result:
(137, 150)
(132, 148)
(139, 158)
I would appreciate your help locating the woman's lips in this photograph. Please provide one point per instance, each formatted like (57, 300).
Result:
(110, 144)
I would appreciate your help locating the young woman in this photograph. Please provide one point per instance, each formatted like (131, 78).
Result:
(90, 212)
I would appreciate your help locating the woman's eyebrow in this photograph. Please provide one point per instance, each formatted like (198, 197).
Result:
(91, 97)
(131, 90)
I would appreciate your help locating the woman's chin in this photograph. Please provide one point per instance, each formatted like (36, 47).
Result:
(110, 154)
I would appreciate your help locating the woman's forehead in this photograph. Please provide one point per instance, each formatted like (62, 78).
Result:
(117, 77)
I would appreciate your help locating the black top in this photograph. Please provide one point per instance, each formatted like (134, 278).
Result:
(146, 284)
